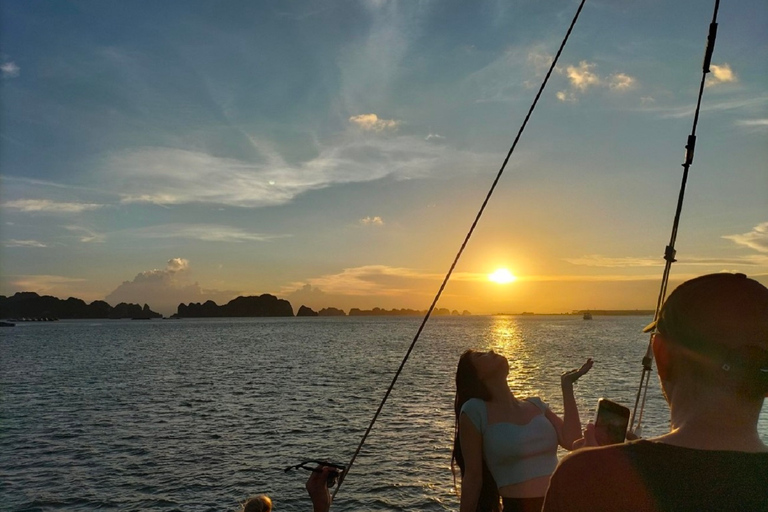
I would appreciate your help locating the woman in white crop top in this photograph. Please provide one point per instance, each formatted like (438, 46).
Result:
(506, 447)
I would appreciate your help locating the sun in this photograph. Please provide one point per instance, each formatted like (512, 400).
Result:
(502, 276)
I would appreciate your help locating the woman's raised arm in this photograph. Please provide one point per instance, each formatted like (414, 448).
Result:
(569, 428)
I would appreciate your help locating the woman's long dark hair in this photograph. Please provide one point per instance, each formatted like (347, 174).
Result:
(468, 385)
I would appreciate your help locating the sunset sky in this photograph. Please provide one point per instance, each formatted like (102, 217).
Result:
(335, 153)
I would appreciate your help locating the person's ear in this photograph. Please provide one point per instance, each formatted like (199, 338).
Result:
(661, 353)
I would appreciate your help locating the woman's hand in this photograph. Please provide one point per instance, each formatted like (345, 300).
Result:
(588, 440)
(568, 378)
(317, 487)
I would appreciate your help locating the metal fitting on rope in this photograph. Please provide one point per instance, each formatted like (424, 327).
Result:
(689, 149)
(647, 362)
(710, 46)
(669, 254)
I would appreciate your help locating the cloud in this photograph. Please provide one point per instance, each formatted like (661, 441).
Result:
(164, 289)
(756, 239)
(48, 206)
(540, 60)
(371, 122)
(581, 76)
(432, 136)
(747, 104)
(372, 221)
(721, 75)
(168, 176)
(203, 232)
(372, 61)
(10, 69)
(43, 284)
(620, 82)
(86, 235)
(755, 125)
(307, 295)
(366, 280)
(596, 260)
(23, 243)
(584, 77)
(502, 79)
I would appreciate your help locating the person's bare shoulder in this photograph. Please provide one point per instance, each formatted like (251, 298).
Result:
(595, 479)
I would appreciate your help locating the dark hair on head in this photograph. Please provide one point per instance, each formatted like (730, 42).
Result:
(468, 386)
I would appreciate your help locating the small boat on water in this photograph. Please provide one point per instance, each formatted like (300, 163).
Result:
(587, 315)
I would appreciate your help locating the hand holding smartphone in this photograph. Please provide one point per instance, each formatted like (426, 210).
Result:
(611, 422)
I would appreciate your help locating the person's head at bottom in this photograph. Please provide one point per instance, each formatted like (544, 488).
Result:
(260, 503)
(711, 348)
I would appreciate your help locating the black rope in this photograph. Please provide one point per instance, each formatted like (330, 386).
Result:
(670, 251)
(463, 246)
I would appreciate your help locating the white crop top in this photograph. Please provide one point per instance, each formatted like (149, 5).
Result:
(515, 453)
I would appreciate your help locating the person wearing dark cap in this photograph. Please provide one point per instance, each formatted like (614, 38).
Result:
(711, 351)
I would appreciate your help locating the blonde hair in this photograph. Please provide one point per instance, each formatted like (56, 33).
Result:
(260, 503)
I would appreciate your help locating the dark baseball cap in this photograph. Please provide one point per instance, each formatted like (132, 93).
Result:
(722, 316)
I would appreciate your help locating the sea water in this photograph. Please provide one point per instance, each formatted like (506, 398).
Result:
(199, 414)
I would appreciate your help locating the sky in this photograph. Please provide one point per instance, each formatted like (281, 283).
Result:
(336, 153)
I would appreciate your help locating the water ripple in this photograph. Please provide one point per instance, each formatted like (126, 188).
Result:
(200, 414)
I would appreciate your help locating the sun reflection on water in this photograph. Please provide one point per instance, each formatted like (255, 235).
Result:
(507, 336)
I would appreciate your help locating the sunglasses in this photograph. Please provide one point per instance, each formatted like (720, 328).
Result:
(316, 466)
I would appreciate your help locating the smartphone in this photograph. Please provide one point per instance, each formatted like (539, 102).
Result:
(611, 422)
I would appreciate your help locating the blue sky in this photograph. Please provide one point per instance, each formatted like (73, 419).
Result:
(335, 153)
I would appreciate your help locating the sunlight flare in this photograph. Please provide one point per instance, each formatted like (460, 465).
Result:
(502, 276)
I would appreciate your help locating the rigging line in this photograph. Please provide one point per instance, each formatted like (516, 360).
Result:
(463, 245)
(669, 251)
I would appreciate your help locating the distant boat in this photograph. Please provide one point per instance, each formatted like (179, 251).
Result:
(587, 315)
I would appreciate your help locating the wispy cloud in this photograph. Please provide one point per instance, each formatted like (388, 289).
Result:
(366, 280)
(620, 82)
(721, 75)
(755, 125)
(748, 104)
(596, 260)
(169, 176)
(23, 243)
(372, 122)
(372, 221)
(382, 280)
(756, 239)
(501, 79)
(368, 66)
(203, 232)
(10, 69)
(48, 206)
(42, 284)
(86, 235)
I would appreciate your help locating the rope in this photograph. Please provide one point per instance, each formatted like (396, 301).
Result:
(670, 252)
(461, 249)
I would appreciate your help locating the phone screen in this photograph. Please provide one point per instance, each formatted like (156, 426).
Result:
(611, 422)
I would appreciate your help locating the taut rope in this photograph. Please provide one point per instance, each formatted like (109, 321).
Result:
(669, 251)
(461, 249)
